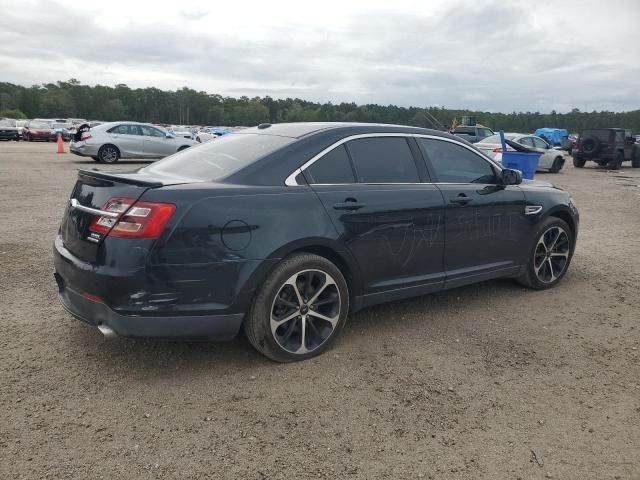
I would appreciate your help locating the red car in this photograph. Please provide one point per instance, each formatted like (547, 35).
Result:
(38, 131)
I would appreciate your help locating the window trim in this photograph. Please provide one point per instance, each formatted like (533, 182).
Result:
(290, 181)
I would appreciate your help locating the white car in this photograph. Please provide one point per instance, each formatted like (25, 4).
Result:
(180, 131)
(552, 159)
(109, 142)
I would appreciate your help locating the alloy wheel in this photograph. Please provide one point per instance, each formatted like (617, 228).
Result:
(305, 311)
(551, 255)
(109, 155)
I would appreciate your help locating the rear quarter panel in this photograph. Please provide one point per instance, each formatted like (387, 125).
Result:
(222, 242)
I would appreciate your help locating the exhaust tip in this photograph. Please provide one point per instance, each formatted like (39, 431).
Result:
(107, 331)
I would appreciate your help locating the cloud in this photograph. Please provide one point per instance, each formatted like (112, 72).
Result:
(490, 55)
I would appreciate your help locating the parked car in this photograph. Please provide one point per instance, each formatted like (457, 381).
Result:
(552, 159)
(108, 142)
(607, 147)
(472, 134)
(209, 133)
(38, 130)
(180, 131)
(64, 129)
(284, 229)
(9, 130)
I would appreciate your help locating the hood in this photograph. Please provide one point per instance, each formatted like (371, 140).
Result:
(538, 183)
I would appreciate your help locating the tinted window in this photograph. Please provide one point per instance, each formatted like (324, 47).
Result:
(465, 130)
(383, 160)
(456, 164)
(602, 135)
(219, 159)
(334, 167)
(484, 132)
(526, 141)
(540, 143)
(620, 136)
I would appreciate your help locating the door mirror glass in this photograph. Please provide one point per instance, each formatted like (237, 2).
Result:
(169, 135)
(510, 177)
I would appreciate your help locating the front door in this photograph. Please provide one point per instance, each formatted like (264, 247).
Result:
(390, 221)
(485, 225)
(156, 142)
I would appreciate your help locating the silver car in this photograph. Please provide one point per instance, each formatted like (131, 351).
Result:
(552, 159)
(110, 142)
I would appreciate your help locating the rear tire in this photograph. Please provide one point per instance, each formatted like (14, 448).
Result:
(299, 310)
(108, 154)
(579, 162)
(549, 256)
(616, 162)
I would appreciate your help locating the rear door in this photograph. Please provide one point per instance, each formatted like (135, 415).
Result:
(156, 142)
(485, 229)
(128, 140)
(373, 190)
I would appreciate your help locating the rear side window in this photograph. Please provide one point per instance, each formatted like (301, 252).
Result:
(383, 160)
(217, 160)
(454, 163)
(602, 135)
(334, 167)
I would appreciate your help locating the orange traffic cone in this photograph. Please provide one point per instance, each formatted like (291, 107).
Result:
(60, 144)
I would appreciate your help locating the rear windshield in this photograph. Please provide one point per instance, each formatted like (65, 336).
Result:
(602, 135)
(219, 159)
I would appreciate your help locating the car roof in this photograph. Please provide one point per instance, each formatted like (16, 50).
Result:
(303, 129)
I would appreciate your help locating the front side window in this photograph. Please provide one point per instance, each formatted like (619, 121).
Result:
(151, 132)
(383, 160)
(540, 143)
(332, 168)
(454, 163)
(526, 141)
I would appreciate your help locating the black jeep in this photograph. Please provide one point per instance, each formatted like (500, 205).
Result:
(607, 147)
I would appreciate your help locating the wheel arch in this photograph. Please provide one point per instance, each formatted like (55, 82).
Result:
(324, 247)
(567, 217)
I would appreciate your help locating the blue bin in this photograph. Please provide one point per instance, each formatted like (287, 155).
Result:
(526, 162)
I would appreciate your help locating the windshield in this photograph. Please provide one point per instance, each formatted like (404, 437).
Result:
(219, 159)
(38, 125)
(7, 123)
(61, 125)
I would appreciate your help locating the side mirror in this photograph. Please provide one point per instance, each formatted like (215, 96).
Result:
(510, 177)
(169, 135)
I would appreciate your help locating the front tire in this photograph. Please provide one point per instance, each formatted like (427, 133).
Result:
(550, 256)
(635, 158)
(616, 162)
(108, 154)
(299, 310)
(556, 166)
(578, 162)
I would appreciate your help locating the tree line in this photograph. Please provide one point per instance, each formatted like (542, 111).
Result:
(71, 99)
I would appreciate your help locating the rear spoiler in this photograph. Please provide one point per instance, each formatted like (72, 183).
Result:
(138, 179)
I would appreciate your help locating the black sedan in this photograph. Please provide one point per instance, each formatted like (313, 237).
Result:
(282, 230)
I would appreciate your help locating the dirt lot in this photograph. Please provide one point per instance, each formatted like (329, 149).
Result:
(489, 381)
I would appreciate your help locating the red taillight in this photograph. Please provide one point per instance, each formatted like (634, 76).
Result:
(142, 220)
(85, 136)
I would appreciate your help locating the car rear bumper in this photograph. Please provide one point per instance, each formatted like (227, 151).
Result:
(96, 313)
(97, 296)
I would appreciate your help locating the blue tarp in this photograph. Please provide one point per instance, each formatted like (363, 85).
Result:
(553, 135)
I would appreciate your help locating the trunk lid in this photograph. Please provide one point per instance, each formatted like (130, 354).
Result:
(91, 192)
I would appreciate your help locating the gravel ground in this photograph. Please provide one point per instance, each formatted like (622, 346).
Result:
(489, 381)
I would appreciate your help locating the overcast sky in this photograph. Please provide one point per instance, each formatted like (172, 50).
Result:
(534, 55)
